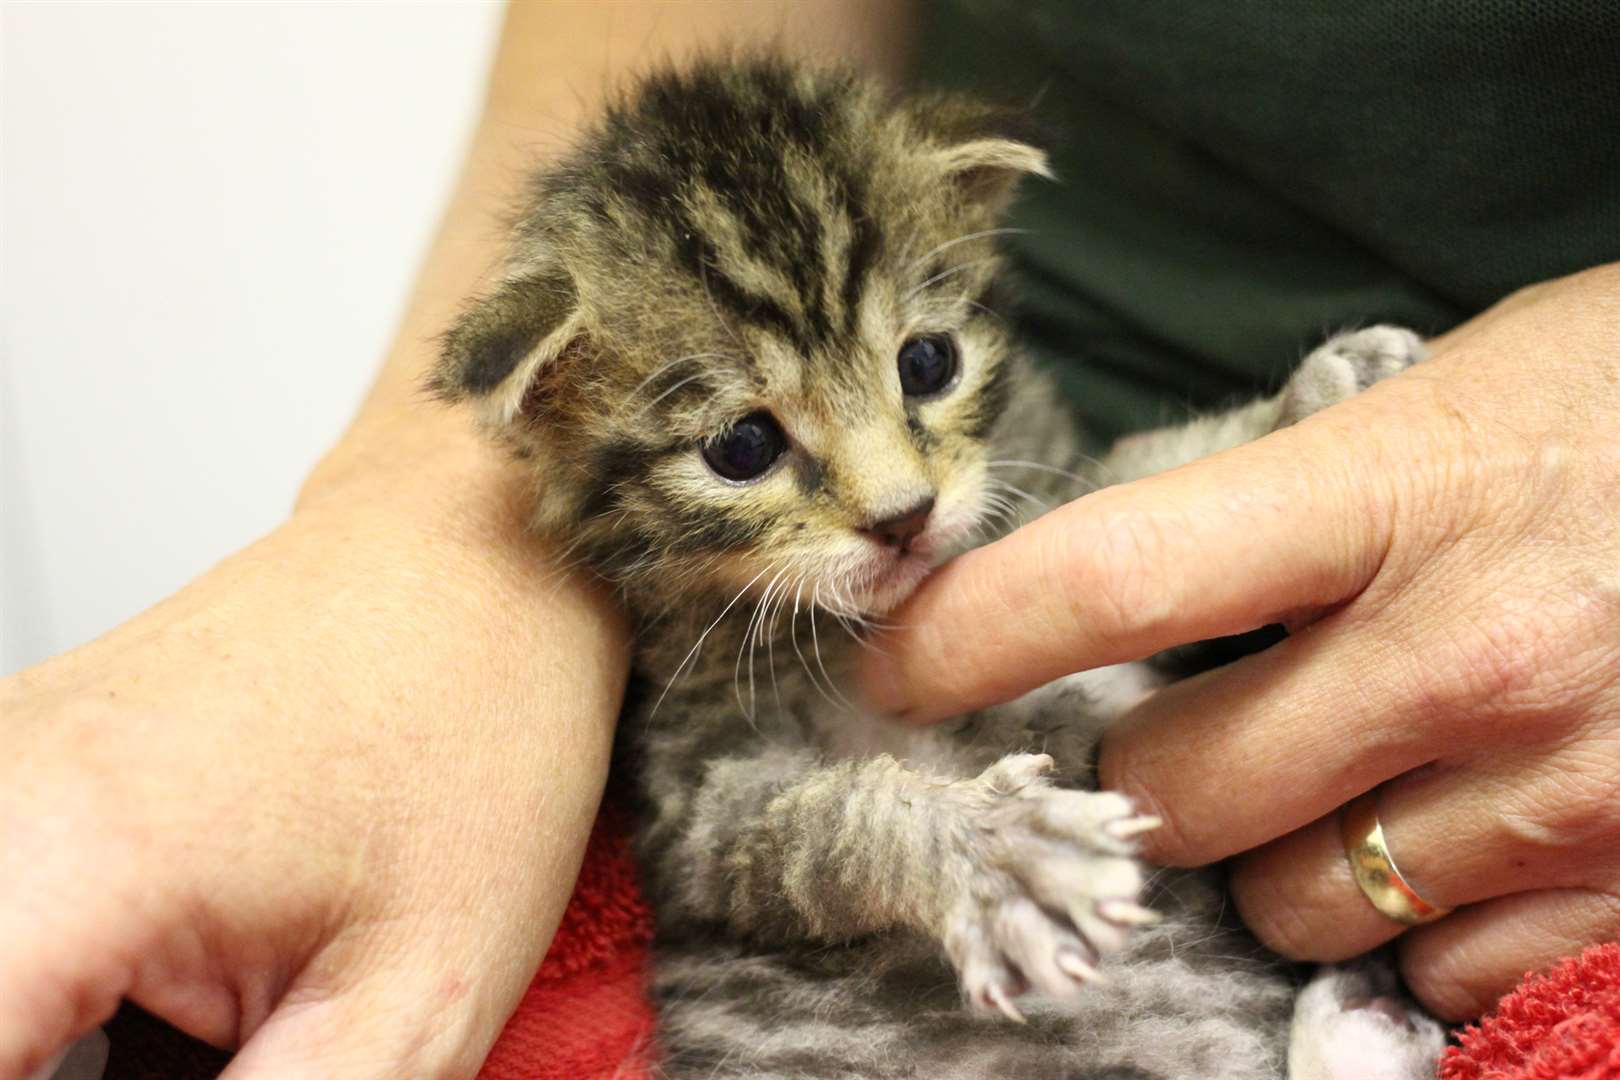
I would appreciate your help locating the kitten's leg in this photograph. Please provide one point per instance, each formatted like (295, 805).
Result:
(1351, 1023)
(1343, 366)
(1026, 885)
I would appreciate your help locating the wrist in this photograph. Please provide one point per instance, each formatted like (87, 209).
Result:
(437, 497)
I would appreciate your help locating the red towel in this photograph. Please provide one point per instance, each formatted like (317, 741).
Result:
(1561, 1025)
(586, 1016)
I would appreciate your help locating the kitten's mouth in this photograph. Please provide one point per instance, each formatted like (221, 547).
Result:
(896, 578)
(886, 575)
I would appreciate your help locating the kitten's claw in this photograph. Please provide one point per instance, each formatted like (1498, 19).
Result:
(1072, 965)
(1127, 913)
(998, 997)
(1126, 828)
(1016, 771)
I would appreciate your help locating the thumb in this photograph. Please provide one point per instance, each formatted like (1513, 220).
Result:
(1258, 534)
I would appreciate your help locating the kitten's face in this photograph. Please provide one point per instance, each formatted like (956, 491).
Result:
(746, 337)
(840, 473)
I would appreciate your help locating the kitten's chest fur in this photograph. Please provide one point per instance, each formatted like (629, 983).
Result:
(791, 687)
(1063, 718)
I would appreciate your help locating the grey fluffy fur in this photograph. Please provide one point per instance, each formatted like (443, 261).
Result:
(838, 895)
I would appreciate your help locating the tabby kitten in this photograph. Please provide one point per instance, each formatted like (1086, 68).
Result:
(747, 333)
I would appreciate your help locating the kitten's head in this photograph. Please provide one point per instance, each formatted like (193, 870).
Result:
(742, 332)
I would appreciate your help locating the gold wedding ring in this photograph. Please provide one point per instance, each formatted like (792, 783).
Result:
(1374, 867)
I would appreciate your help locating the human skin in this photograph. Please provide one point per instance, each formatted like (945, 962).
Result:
(1445, 549)
(328, 801)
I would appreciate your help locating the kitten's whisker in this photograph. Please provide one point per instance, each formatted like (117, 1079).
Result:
(872, 641)
(642, 385)
(1020, 492)
(1001, 507)
(665, 394)
(747, 643)
(948, 272)
(759, 628)
(815, 638)
(698, 644)
(842, 611)
(970, 302)
(793, 632)
(1104, 472)
(849, 628)
(947, 245)
(1003, 463)
(770, 644)
(996, 498)
(846, 609)
(736, 668)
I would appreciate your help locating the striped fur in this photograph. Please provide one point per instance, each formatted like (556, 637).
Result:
(751, 235)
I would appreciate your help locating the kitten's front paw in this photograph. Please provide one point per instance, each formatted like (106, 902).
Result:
(1351, 1022)
(1347, 364)
(1051, 885)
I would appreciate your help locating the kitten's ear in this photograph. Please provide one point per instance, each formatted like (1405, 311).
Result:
(987, 171)
(984, 153)
(506, 344)
(993, 167)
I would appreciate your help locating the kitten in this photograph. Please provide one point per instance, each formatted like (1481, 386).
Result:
(747, 334)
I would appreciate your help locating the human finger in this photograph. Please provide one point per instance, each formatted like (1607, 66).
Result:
(1449, 655)
(1460, 966)
(1129, 570)
(1459, 835)
(1233, 758)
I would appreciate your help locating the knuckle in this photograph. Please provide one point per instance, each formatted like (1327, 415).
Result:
(1506, 662)
(1530, 668)
(1566, 805)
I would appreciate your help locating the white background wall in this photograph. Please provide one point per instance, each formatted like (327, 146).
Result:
(210, 216)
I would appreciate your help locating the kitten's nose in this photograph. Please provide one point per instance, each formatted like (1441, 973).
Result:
(899, 531)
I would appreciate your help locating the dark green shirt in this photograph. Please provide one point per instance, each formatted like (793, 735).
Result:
(1240, 178)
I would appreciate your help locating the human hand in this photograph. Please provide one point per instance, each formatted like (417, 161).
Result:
(312, 804)
(1446, 550)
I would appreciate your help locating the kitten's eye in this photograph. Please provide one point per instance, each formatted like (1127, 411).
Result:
(927, 364)
(748, 449)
